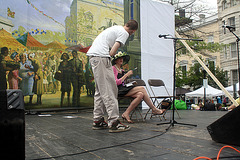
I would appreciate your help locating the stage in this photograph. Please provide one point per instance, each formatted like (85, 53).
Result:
(68, 135)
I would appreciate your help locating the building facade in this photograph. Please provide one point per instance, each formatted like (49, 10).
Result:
(6, 24)
(133, 46)
(229, 14)
(90, 17)
(205, 28)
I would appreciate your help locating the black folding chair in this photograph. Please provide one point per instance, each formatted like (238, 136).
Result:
(159, 99)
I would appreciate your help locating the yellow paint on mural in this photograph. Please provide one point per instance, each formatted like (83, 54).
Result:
(103, 15)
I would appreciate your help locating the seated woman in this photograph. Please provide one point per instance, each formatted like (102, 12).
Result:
(137, 92)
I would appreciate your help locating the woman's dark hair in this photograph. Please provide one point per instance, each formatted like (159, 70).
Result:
(62, 56)
(132, 24)
(3, 49)
(74, 51)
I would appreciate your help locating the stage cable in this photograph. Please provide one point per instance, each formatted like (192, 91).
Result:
(218, 156)
(103, 148)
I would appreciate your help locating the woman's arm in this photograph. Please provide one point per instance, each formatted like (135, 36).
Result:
(118, 81)
(129, 73)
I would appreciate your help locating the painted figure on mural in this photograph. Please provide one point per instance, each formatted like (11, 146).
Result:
(3, 68)
(77, 78)
(45, 78)
(13, 76)
(51, 63)
(6, 66)
(65, 70)
(27, 76)
(90, 84)
(38, 77)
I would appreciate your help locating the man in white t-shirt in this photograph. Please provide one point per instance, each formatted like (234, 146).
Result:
(104, 46)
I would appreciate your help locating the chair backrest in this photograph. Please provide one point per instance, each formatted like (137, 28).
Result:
(156, 82)
(140, 82)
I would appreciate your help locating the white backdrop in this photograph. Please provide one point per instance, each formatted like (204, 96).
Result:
(157, 54)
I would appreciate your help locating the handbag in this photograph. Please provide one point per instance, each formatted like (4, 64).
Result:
(58, 76)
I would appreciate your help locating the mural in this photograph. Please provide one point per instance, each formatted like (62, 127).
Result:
(42, 36)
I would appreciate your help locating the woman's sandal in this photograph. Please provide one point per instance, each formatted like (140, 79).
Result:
(128, 120)
(158, 112)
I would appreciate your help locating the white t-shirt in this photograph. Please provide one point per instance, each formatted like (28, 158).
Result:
(104, 41)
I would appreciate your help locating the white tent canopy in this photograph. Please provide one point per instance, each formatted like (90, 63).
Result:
(230, 88)
(210, 92)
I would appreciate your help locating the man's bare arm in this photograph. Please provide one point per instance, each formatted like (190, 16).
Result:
(115, 48)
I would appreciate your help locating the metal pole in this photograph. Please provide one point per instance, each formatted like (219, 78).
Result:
(204, 98)
(237, 43)
(238, 64)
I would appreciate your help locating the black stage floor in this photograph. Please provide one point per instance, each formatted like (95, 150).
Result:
(68, 135)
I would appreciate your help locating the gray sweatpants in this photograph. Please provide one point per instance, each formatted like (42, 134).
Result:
(105, 97)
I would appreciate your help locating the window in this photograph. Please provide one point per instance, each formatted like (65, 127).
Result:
(194, 62)
(233, 50)
(183, 65)
(225, 52)
(226, 74)
(234, 76)
(210, 39)
(224, 29)
(211, 64)
(89, 19)
(231, 22)
(224, 4)
(184, 70)
(132, 9)
(232, 3)
(88, 16)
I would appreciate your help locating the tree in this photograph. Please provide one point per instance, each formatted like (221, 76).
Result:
(195, 76)
(190, 11)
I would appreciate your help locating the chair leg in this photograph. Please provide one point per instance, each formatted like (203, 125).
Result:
(140, 114)
(132, 114)
(146, 114)
(135, 112)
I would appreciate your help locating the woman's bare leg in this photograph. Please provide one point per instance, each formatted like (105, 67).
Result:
(137, 99)
(146, 98)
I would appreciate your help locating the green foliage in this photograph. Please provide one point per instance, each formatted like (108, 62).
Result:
(199, 46)
(195, 76)
(180, 79)
(181, 21)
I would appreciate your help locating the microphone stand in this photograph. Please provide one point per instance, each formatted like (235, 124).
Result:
(172, 122)
(237, 41)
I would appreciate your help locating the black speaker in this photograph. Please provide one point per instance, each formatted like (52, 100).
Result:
(12, 125)
(226, 129)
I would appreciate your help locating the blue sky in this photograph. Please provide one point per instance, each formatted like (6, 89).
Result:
(30, 18)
